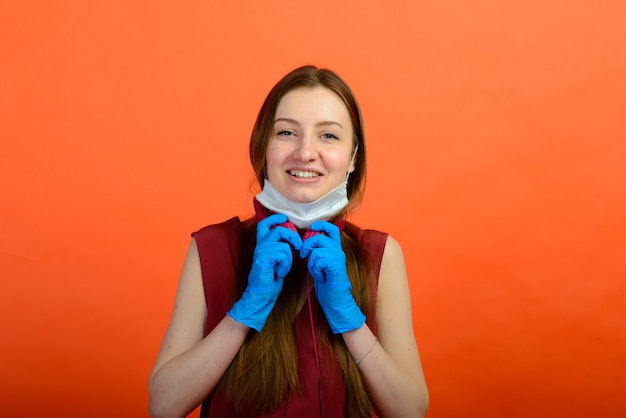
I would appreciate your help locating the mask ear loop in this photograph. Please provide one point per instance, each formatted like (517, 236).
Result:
(317, 360)
(352, 161)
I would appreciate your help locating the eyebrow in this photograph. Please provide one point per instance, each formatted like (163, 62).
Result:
(322, 123)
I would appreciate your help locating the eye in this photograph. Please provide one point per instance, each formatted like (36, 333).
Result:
(329, 136)
(284, 133)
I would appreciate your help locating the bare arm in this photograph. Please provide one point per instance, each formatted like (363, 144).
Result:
(392, 369)
(189, 366)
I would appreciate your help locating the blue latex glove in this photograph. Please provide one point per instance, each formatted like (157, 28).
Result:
(271, 262)
(327, 265)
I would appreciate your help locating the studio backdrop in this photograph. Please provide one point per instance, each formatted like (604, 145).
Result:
(496, 149)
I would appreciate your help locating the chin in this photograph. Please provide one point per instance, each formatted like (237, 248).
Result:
(302, 199)
(302, 196)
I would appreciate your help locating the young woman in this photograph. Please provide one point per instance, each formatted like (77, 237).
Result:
(295, 312)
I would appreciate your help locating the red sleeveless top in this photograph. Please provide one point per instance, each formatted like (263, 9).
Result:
(219, 249)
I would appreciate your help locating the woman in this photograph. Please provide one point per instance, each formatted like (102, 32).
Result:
(248, 335)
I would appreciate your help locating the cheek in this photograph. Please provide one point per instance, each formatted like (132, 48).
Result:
(341, 163)
(273, 159)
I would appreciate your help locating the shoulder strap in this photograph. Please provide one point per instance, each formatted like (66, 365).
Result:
(218, 248)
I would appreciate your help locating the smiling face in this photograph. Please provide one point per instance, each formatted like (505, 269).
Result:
(311, 145)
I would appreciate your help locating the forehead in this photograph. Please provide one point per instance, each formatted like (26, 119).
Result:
(312, 102)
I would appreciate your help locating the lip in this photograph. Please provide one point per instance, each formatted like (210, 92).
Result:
(303, 179)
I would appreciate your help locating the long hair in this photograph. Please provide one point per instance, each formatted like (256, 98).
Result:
(265, 369)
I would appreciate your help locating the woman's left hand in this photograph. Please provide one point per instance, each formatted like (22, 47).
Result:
(327, 265)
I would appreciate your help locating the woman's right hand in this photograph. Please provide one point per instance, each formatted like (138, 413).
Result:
(271, 262)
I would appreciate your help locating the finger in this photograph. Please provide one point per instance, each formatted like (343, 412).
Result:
(268, 223)
(289, 225)
(277, 257)
(284, 260)
(315, 269)
(327, 228)
(280, 233)
(315, 241)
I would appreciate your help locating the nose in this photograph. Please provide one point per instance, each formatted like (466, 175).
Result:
(306, 149)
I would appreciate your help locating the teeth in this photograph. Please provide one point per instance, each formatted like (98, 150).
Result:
(303, 174)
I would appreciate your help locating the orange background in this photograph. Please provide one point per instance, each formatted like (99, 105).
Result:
(496, 136)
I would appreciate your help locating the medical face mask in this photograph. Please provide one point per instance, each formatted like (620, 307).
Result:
(304, 214)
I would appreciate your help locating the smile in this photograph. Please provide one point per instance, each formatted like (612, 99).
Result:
(303, 174)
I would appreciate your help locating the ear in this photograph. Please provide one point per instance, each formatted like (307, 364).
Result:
(353, 160)
(352, 166)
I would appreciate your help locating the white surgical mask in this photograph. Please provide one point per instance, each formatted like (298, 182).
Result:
(303, 215)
